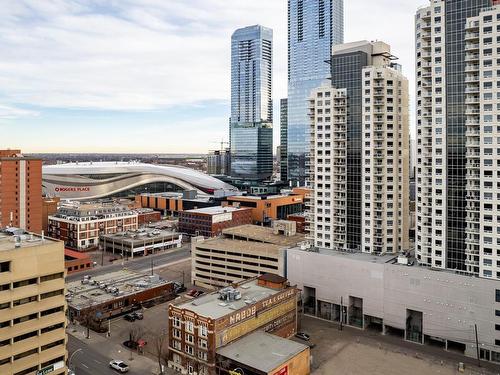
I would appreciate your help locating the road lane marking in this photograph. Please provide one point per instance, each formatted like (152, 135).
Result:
(84, 365)
(96, 361)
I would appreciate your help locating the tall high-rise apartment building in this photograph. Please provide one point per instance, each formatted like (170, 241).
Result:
(359, 165)
(283, 139)
(219, 162)
(20, 191)
(32, 305)
(314, 26)
(458, 108)
(251, 103)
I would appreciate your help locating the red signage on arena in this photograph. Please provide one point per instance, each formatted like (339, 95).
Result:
(63, 189)
(283, 371)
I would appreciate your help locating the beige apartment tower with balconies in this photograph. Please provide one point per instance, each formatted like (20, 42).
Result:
(362, 114)
(32, 305)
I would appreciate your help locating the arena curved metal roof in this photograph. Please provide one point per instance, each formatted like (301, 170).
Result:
(91, 180)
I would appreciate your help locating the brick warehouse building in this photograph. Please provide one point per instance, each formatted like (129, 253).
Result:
(198, 328)
(210, 221)
(20, 191)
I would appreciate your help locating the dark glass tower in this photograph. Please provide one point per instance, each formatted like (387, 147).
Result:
(346, 71)
(283, 137)
(456, 14)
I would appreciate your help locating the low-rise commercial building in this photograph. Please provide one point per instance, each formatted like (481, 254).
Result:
(266, 208)
(260, 353)
(396, 296)
(143, 241)
(197, 329)
(172, 203)
(242, 253)
(79, 225)
(102, 297)
(210, 221)
(75, 261)
(49, 208)
(32, 305)
(147, 216)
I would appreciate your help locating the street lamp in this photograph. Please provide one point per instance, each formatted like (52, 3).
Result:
(71, 357)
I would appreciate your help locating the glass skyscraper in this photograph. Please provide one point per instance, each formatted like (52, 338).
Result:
(314, 26)
(251, 103)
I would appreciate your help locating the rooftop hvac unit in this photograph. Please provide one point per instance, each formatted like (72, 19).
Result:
(229, 294)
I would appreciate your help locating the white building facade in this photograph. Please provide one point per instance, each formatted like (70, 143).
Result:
(376, 198)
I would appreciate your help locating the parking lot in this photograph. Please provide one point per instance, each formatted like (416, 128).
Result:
(353, 351)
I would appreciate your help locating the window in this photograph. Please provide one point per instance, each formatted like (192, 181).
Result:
(189, 350)
(23, 301)
(52, 294)
(4, 267)
(26, 336)
(54, 276)
(19, 284)
(177, 322)
(52, 328)
(497, 295)
(203, 343)
(189, 326)
(203, 330)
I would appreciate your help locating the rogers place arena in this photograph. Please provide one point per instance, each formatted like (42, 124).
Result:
(93, 180)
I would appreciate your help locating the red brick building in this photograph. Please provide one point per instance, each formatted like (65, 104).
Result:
(210, 221)
(147, 215)
(75, 261)
(197, 329)
(20, 191)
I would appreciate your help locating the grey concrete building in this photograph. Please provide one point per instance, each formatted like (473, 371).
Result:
(419, 304)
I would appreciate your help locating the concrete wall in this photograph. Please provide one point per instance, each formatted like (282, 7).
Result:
(450, 303)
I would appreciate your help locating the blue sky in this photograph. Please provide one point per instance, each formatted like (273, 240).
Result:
(145, 75)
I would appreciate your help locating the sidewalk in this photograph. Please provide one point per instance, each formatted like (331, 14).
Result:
(139, 363)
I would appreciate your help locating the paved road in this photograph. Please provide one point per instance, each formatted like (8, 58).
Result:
(89, 361)
(137, 264)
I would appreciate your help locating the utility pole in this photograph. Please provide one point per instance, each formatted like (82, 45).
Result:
(152, 267)
(477, 347)
(341, 313)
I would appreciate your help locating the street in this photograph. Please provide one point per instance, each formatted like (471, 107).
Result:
(138, 263)
(89, 361)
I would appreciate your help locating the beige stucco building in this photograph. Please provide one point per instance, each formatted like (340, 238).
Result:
(32, 305)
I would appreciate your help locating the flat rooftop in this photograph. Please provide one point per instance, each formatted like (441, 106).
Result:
(262, 351)
(240, 246)
(140, 235)
(80, 296)
(25, 240)
(261, 197)
(263, 234)
(173, 195)
(211, 306)
(216, 210)
(354, 255)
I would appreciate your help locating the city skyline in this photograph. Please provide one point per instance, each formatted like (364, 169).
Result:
(54, 101)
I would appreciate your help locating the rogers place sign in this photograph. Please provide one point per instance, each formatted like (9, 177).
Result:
(64, 189)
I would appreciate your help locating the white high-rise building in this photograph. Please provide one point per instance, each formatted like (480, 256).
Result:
(370, 104)
(458, 108)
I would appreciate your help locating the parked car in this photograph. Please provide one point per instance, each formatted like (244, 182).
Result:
(118, 365)
(134, 344)
(198, 293)
(179, 288)
(303, 336)
(133, 316)
(191, 293)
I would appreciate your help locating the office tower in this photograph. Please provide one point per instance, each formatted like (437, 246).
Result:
(251, 103)
(360, 153)
(32, 305)
(283, 139)
(314, 26)
(219, 162)
(20, 191)
(457, 106)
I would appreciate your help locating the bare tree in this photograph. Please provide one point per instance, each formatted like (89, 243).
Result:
(159, 342)
(135, 333)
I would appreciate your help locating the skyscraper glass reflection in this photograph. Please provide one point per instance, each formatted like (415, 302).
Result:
(314, 26)
(251, 103)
